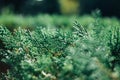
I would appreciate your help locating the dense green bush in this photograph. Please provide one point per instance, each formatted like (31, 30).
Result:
(114, 43)
(84, 53)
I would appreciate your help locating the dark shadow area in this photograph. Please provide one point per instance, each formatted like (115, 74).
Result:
(107, 7)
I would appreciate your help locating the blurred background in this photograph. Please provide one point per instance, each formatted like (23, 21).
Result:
(56, 13)
(61, 7)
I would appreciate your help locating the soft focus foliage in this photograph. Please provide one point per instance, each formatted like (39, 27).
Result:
(12, 21)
